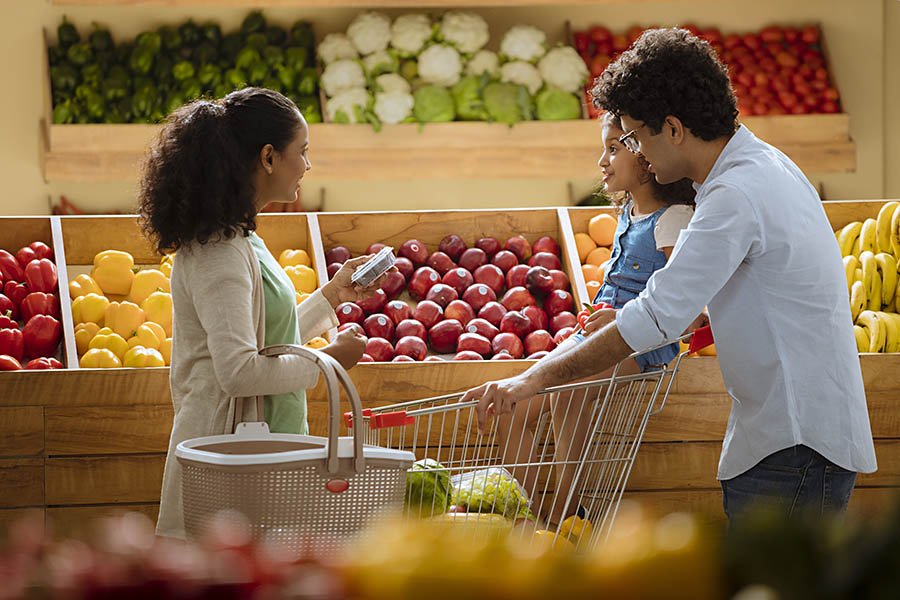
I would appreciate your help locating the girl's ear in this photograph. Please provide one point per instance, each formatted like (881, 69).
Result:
(267, 158)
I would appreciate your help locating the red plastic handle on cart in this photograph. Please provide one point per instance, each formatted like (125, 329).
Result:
(348, 417)
(391, 419)
(701, 338)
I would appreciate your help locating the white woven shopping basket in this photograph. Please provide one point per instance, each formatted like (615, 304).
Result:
(303, 491)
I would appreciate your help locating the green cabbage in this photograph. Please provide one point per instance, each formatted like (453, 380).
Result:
(427, 488)
(433, 104)
(507, 102)
(467, 96)
(554, 104)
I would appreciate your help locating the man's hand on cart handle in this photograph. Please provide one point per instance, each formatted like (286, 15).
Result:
(500, 397)
(701, 321)
(598, 319)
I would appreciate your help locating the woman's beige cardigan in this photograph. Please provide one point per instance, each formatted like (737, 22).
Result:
(219, 328)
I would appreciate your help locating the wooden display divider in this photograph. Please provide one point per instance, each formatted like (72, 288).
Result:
(78, 443)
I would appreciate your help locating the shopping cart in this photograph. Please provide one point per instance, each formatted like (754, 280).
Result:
(568, 450)
(301, 491)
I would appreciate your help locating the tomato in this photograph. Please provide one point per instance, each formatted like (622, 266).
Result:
(599, 64)
(771, 34)
(802, 88)
(620, 43)
(811, 101)
(752, 41)
(761, 79)
(745, 110)
(791, 34)
(731, 41)
(582, 42)
(830, 94)
(760, 108)
(830, 106)
(788, 100)
(769, 66)
(799, 109)
(780, 83)
(821, 74)
(787, 60)
(713, 36)
(818, 85)
(600, 34)
(603, 48)
(759, 91)
(777, 109)
(745, 79)
(634, 33)
(810, 34)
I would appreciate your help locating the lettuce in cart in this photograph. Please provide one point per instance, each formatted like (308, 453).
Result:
(427, 488)
(492, 490)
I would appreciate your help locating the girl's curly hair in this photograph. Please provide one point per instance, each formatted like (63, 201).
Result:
(198, 176)
(670, 72)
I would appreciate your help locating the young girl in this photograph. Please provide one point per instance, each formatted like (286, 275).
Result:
(651, 216)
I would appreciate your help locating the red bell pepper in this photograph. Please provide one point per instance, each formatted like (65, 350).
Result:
(40, 275)
(44, 363)
(10, 267)
(39, 303)
(16, 292)
(7, 321)
(41, 335)
(12, 343)
(8, 307)
(9, 363)
(33, 251)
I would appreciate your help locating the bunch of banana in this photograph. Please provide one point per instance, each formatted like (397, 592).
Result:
(877, 331)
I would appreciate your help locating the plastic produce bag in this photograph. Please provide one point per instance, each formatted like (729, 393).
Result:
(491, 490)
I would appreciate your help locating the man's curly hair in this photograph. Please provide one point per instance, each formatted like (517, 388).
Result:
(198, 177)
(670, 72)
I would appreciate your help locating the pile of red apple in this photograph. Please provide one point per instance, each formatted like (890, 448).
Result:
(490, 301)
(775, 71)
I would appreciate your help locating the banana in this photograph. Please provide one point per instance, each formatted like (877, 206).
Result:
(895, 233)
(857, 276)
(857, 299)
(862, 339)
(869, 270)
(874, 295)
(874, 328)
(847, 237)
(891, 332)
(887, 267)
(883, 226)
(867, 236)
(895, 319)
(892, 306)
(851, 263)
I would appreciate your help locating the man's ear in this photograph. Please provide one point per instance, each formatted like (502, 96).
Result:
(674, 129)
(267, 158)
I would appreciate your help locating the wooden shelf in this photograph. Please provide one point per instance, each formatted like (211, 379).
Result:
(539, 149)
(334, 3)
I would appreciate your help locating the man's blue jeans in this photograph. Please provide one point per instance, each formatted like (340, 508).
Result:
(793, 481)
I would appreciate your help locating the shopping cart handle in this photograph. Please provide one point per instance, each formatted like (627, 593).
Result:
(700, 338)
(348, 417)
(391, 419)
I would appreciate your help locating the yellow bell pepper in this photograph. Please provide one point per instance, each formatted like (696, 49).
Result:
(107, 339)
(166, 269)
(316, 343)
(113, 272)
(166, 350)
(300, 297)
(83, 284)
(143, 357)
(291, 258)
(145, 283)
(303, 278)
(148, 335)
(124, 318)
(90, 308)
(84, 333)
(100, 358)
(158, 308)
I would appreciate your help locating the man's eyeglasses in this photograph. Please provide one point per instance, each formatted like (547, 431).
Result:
(630, 141)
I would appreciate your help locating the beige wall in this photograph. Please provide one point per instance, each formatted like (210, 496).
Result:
(865, 62)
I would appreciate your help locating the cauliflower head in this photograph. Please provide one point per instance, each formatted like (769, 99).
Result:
(348, 106)
(342, 75)
(391, 82)
(336, 46)
(522, 73)
(440, 65)
(484, 61)
(523, 42)
(393, 107)
(466, 31)
(370, 32)
(563, 68)
(555, 104)
(380, 62)
(410, 32)
(433, 104)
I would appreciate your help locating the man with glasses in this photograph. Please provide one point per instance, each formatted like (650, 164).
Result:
(760, 253)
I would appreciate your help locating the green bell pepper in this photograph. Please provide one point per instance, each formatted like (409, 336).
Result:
(209, 76)
(63, 113)
(257, 41)
(272, 83)
(309, 108)
(302, 35)
(246, 57)
(273, 55)
(162, 68)
(143, 83)
(119, 111)
(92, 74)
(66, 34)
(94, 105)
(191, 33)
(174, 100)
(221, 90)
(296, 58)
(230, 47)
(101, 40)
(204, 54)
(171, 39)
(276, 35)
(182, 70)
(191, 89)
(142, 103)
(236, 78)
(307, 82)
(105, 59)
(122, 53)
(212, 33)
(81, 116)
(257, 72)
(255, 22)
(141, 59)
(56, 54)
(80, 54)
(116, 84)
(149, 39)
(83, 91)
(286, 76)
(64, 77)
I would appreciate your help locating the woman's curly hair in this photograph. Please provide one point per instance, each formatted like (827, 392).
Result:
(198, 177)
(670, 72)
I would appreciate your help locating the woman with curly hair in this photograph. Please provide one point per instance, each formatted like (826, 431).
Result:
(760, 253)
(214, 167)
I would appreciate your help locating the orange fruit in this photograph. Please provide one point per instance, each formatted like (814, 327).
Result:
(602, 229)
(590, 272)
(584, 244)
(593, 287)
(602, 273)
(598, 255)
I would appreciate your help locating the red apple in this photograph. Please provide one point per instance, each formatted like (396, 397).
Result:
(379, 325)
(505, 260)
(375, 247)
(412, 346)
(517, 323)
(453, 246)
(478, 294)
(538, 281)
(558, 301)
(393, 283)
(354, 326)
(440, 262)
(379, 349)
(518, 298)
(472, 258)
(560, 280)
(538, 317)
(443, 335)
(482, 327)
(348, 312)
(405, 266)
(538, 355)
(408, 327)
(491, 276)
(562, 334)
(332, 269)
(403, 358)
(397, 310)
(459, 279)
(428, 313)
(562, 320)
(515, 277)
(421, 281)
(545, 259)
(539, 340)
(441, 293)
(489, 245)
(467, 355)
(338, 254)
(504, 355)
(415, 251)
(459, 310)
(374, 303)
(474, 342)
(519, 246)
(492, 312)
(433, 358)
(509, 342)
(545, 244)
(365, 358)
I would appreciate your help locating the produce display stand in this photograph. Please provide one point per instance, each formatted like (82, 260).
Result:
(75, 443)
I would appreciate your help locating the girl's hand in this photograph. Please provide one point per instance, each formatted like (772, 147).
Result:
(341, 289)
(598, 319)
(347, 348)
